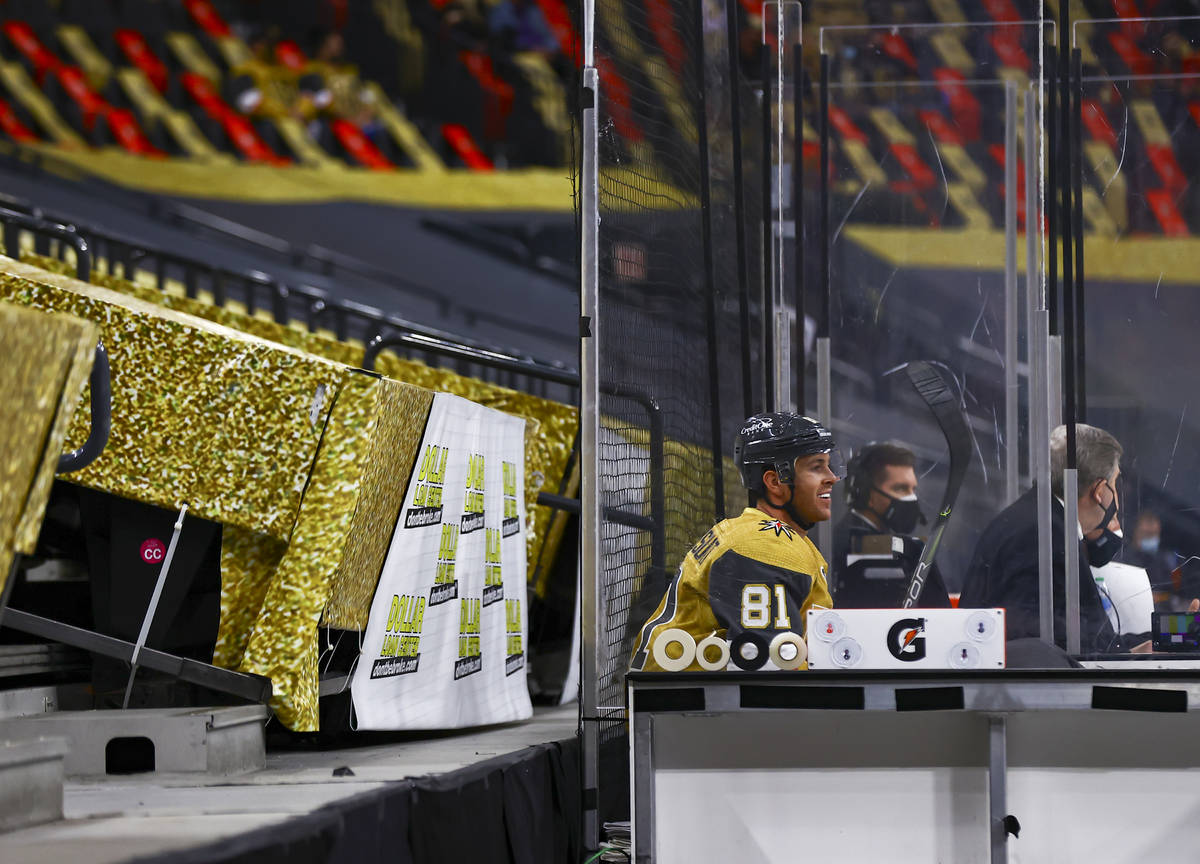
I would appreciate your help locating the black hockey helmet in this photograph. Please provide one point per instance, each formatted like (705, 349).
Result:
(775, 441)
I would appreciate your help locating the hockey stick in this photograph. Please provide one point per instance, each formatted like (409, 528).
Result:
(937, 394)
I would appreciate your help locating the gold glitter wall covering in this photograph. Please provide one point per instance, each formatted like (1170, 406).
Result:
(551, 429)
(48, 357)
(387, 457)
(343, 495)
(229, 316)
(201, 413)
(248, 563)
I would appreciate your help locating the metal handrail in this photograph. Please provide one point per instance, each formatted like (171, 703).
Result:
(101, 421)
(13, 220)
(481, 356)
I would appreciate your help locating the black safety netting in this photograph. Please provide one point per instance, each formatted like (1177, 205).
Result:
(679, 297)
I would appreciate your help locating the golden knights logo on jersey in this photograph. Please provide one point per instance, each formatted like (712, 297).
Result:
(512, 518)
(493, 581)
(445, 585)
(427, 499)
(472, 519)
(514, 652)
(470, 659)
(401, 649)
(780, 527)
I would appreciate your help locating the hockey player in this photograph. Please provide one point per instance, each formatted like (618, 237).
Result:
(757, 573)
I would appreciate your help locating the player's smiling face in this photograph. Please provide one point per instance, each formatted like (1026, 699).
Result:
(812, 492)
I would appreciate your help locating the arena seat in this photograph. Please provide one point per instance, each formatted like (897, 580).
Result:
(1162, 204)
(90, 105)
(499, 94)
(290, 55)
(895, 46)
(965, 108)
(1096, 123)
(12, 126)
(22, 88)
(1158, 144)
(135, 48)
(465, 148)
(903, 146)
(359, 146)
(38, 56)
(662, 24)
(191, 56)
(84, 53)
(239, 130)
(207, 18)
(1136, 61)
(559, 21)
(155, 111)
(1004, 11)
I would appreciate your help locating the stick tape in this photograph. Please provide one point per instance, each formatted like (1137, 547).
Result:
(787, 637)
(748, 637)
(684, 639)
(702, 651)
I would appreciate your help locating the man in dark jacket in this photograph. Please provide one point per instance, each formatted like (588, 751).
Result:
(875, 549)
(1004, 568)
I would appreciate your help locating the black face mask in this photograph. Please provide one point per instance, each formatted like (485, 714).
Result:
(1105, 547)
(902, 515)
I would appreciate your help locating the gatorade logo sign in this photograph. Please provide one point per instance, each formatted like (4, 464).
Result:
(152, 551)
(904, 640)
(427, 498)
(472, 519)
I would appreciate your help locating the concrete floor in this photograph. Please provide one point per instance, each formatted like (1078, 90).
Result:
(113, 819)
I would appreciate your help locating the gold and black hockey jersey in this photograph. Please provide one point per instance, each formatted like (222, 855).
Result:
(752, 572)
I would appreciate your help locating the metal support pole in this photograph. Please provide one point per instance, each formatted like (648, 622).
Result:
(1054, 362)
(826, 166)
(998, 787)
(589, 400)
(1071, 573)
(824, 351)
(1012, 454)
(801, 367)
(750, 397)
(148, 618)
(1077, 232)
(770, 365)
(1039, 429)
(825, 416)
(1033, 299)
(713, 310)
(1052, 143)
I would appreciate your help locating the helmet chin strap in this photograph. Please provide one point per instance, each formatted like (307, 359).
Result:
(791, 510)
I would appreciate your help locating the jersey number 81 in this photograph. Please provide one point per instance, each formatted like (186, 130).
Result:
(756, 607)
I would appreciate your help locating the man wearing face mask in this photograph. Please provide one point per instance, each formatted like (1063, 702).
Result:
(874, 550)
(1004, 568)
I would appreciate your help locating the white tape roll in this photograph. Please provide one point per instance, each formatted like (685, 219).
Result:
(702, 652)
(800, 654)
(684, 639)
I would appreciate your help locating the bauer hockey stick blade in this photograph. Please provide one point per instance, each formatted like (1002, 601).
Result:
(944, 405)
